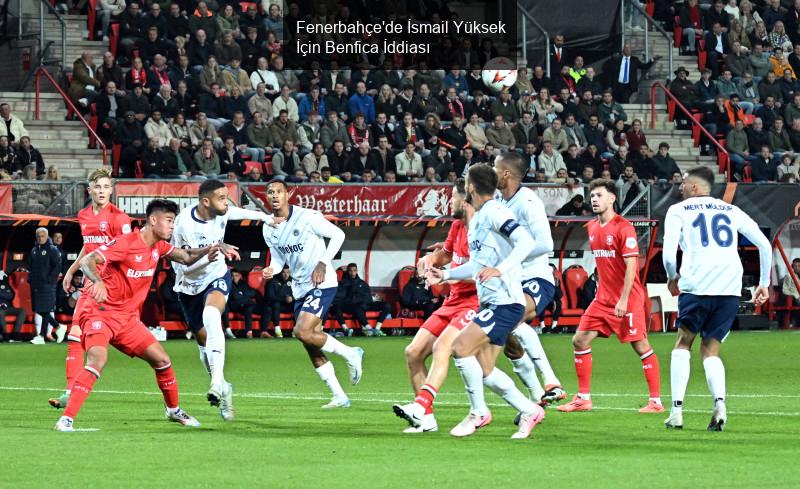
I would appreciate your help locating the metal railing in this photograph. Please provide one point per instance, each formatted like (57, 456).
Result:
(723, 157)
(640, 207)
(45, 4)
(55, 198)
(39, 73)
(527, 16)
(649, 21)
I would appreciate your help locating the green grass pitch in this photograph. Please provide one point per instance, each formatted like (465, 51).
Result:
(281, 438)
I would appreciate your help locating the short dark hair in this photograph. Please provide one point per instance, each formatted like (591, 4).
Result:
(483, 178)
(514, 162)
(703, 173)
(279, 181)
(352, 265)
(605, 183)
(209, 187)
(461, 186)
(161, 205)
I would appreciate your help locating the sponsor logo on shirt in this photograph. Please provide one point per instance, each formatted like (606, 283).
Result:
(95, 239)
(459, 260)
(288, 249)
(131, 273)
(475, 245)
(604, 253)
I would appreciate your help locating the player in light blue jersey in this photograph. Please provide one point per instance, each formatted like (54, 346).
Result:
(298, 241)
(497, 246)
(203, 287)
(524, 348)
(709, 283)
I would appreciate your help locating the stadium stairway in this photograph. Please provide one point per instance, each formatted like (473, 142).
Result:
(62, 143)
(76, 37)
(682, 148)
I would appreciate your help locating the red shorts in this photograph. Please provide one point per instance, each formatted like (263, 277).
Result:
(601, 318)
(84, 301)
(456, 315)
(125, 331)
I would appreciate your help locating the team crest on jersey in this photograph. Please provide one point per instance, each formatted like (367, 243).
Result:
(103, 226)
(630, 243)
(97, 325)
(154, 254)
(296, 233)
(609, 239)
(317, 293)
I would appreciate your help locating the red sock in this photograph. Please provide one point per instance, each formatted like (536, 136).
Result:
(583, 367)
(165, 377)
(81, 388)
(652, 373)
(74, 363)
(425, 397)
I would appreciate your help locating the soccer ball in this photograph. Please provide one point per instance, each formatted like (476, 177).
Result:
(499, 73)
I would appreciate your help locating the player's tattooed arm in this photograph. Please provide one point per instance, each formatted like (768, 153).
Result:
(188, 256)
(89, 267)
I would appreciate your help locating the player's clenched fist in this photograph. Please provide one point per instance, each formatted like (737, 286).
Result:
(318, 275)
(266, 274)
(434, 276)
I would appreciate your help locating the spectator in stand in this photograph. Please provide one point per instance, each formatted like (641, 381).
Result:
(716, 121)
(768, 112)
(787, 170)
(524, 131)
(630, 186)
(417, 296)
(185, 101)
(643, 163)
(716, 48)
(425, 103)
(105, 10)
(157, 130)
(572, 160)
(12, 127)
(635, 137)
(592, 158)
(206, 160)
(210, 74)
(686, 92)
(505, 107)
(137, 101)
(200, 49)
(789, 289)
(760, 62)
(230, 159)
(792, 110)
(794, 59)
(8, 158)
(476, 136)
(615, 138)
(315, 160)
(748, 91)
(691, 21)
(757, 136)
(286, 162)
(354, 297)
(228, 22)
(575, 133)
(164, 103)
(284, 128)
(779, 39)
(570, 103)
(131, 136)
(738, 61)
(6, 307)
(778, 139)
(177, 23)
(109, 108)
(547, 109)
(260, 103)
(550, 160)
(574, 207)
(178, 158)
(332, 130)
(234, 76)
(616, 164)
(201, 130)
(763, 168)
(313, 102)
(180, 130)
(259, 136)
(610, 110)
(441, 163)
(788, 86)
(153, 163)
(85, 81)
(779, 64)
(242, 300)
(556, 136)
(525, 104)
(44, 263)
(625, 72)
(409, 164)
(361, 102)
(137, 76)
(480, 106)
(499, 135)
(738, 147)
(262, 75)
(738, 35)
(204, 19)
(28, 155)
(587, 175)
(278, 299)
(663, 164)
(213, 106)
(285, 103)
(358, 131)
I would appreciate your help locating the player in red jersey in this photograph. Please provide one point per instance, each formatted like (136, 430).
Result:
(435, 337)
(619, 307)
(118, 292)
(100, 222)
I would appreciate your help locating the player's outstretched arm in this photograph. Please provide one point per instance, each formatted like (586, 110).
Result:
(239, 214)
(461, 272)
(66, 284)
(190, 256)
(89, 265)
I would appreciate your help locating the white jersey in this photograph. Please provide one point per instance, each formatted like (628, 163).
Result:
(299, 243)
(193, 232)
(531, 215)
(707, 230)
(496, 240)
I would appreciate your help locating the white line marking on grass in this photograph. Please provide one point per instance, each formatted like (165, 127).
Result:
(370, 397)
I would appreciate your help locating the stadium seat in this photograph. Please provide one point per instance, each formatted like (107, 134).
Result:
(702, 55)
(574, 278)
(256, 281)
(677, 32)
(90, 19)
(747, 174)
(18, 280)
(113, 38)
(650, 8)
(116, 154)
(696, 133)
(249, 165)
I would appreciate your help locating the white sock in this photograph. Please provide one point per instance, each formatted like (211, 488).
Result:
(203, 358)
(328, 375)
(679, 370)
(332, 345)
(533, 346)
(215, 344)
(524, 368)
(378, 326)
(37, 320)
(715, 376)
(173, 410)
(502, 385)
(472, 374)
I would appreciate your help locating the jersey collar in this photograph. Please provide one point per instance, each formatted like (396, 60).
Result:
(194, 215)
(291, 209)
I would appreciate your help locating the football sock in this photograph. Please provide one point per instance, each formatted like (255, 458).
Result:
(715, 376)
(583, 368)
(81, 389)
(328, 375)
(526, 371)
(652, 374)
(165, 376)
(37, 320)
(533, 346)
(425, 397)
(472, 374)
(502, 385)
(215, 344)
(74, 361)
(204, 358)
(679, 370)
(332, 345)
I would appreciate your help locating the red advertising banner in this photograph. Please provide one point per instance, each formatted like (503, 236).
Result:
(392, 200)
(133, 197)
(6, 199)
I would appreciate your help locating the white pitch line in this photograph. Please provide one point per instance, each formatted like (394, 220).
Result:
(304, 397)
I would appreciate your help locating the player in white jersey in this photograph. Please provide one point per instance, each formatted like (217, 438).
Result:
(524, 348)
(203, 288)
(710, 283)
(497, 246)
(299, 243)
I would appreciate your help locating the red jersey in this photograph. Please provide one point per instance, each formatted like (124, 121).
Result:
(611, 244)
(129, 268)
(98, 229)
(457, 244)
